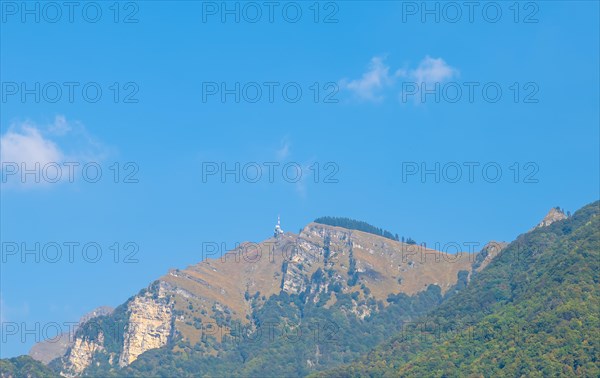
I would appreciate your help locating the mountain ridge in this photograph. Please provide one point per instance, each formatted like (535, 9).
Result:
(227, 291)
(358, 282)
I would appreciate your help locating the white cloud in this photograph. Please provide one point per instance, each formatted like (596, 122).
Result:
(25, 144)
(372, 81)
(432, 70)
(29, 144)
(377, 78)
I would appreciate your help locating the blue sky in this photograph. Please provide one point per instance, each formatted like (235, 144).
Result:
(377, 128)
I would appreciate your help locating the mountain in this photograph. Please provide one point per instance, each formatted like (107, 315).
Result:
(335, 301)
(290, 305)
(48, 350)
(533, 311)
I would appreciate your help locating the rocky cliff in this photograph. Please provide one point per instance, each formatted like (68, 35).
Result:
(149, 325)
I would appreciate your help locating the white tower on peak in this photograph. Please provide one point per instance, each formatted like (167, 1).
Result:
(278, 231)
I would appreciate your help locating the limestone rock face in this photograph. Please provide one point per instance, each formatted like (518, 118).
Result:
(554, 215)
(81, 354)
(300, 261)
(149, 326)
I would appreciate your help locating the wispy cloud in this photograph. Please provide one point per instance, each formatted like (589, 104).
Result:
(301, 186)
(369, 86)
(60, 126)
(284, 151)
(283, 154)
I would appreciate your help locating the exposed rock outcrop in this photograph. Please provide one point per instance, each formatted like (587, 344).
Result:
(81, 355)
(149, 326)
(554, 215)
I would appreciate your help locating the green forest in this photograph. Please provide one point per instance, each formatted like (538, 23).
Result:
(533, 312)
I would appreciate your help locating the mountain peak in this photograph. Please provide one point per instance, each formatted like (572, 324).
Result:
(555, 214)
(358, 273)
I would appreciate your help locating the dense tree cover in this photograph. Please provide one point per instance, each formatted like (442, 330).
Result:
(533, 311)
(352, 224)
(24, 367)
